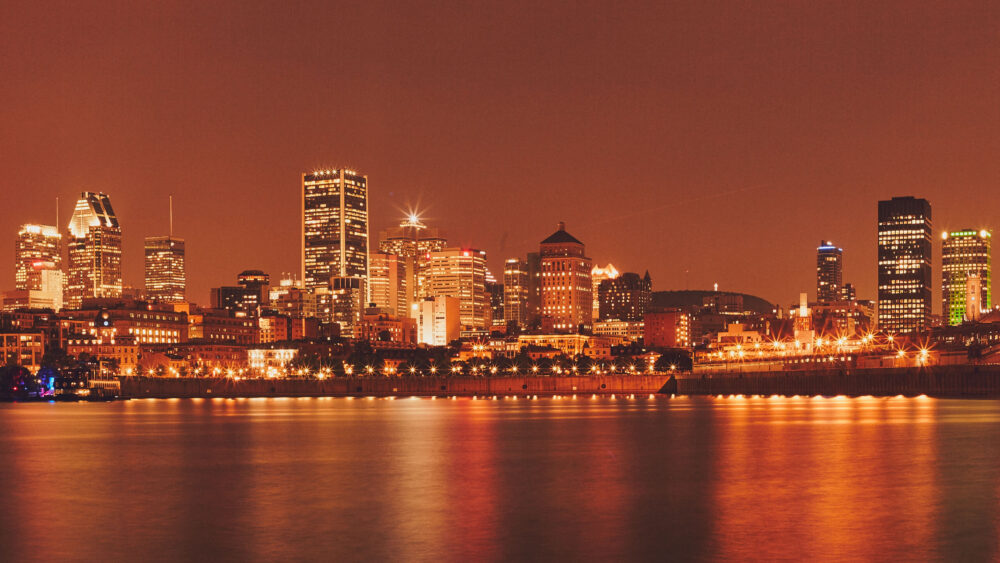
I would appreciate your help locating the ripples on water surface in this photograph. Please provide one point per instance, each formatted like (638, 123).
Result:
(418, 479)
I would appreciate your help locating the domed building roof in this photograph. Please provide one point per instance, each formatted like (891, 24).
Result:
(561, 236)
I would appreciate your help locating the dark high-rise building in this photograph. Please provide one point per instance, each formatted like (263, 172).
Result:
(567, 292)
(904, 264)
(515, 290)
(849, 293)
(965, 254)
(346, 302)
(246, 298)
(95, 251)
(494, 292)
(165, 277)
(625, 298)
(334, 226)
(829, 272)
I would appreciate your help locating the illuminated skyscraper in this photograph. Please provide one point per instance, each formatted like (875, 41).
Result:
(411, 241)
(165, 276)
(597, 275)
(387, 283)
(515, 291)
(829, 272)
(460, 273)
(334, 226)
(38, 248)
(567, 290)
(965, 254)
(95, 251)
(904, 264)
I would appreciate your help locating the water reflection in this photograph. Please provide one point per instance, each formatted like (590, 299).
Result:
(570, 478)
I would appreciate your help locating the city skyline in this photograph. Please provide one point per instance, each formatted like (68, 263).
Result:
(412, 216)
(699, 199)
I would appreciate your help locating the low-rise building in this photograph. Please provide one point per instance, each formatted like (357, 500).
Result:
(597, 347)
(626, 331)
(378, 325)
(667, 329)
(22, 348)
(217, 325)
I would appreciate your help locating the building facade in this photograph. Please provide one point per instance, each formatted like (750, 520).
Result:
(667, 329)
(495, 295)
(624, 297)
(515, 291)
(411, 241)
(380, 326)
(38, 248)
(598, 275)
(387, 283)
(965, 261)
(904, 265)
(247, 297)
(566, 287)
(347, 300)
(829, 272)
(95, 251)
(166, 280)
(438, 320)
(334, 226)
(459, 273)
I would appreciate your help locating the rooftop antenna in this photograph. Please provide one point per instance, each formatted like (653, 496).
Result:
(170, 200)
(57, 213)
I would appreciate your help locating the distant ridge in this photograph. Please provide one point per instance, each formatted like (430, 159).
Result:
(694, 297)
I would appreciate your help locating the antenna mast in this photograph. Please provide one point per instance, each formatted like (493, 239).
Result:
(170, 199)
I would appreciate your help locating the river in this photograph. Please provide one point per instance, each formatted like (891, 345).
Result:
(548, 479)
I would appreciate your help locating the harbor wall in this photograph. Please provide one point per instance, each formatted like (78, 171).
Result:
(937, 381)
(184, 387)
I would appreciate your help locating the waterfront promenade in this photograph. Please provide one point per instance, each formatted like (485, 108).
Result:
(939, 381)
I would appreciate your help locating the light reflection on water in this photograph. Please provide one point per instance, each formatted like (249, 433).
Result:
(571, 478)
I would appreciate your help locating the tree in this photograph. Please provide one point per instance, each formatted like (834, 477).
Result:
(673, 358)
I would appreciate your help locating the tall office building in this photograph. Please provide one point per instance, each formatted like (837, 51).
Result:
(598, 275)
(515, 291)
(460, 273)
(494, 293)
(411, 241)
(95, 251)
(166, 280)
(334, 226)
(829, 272)
(625, 297)
(567, 290)
(387, 283)
(37, 248)
(965, 254)
(904, 264)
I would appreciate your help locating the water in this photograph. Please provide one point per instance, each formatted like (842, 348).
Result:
(547, 479)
